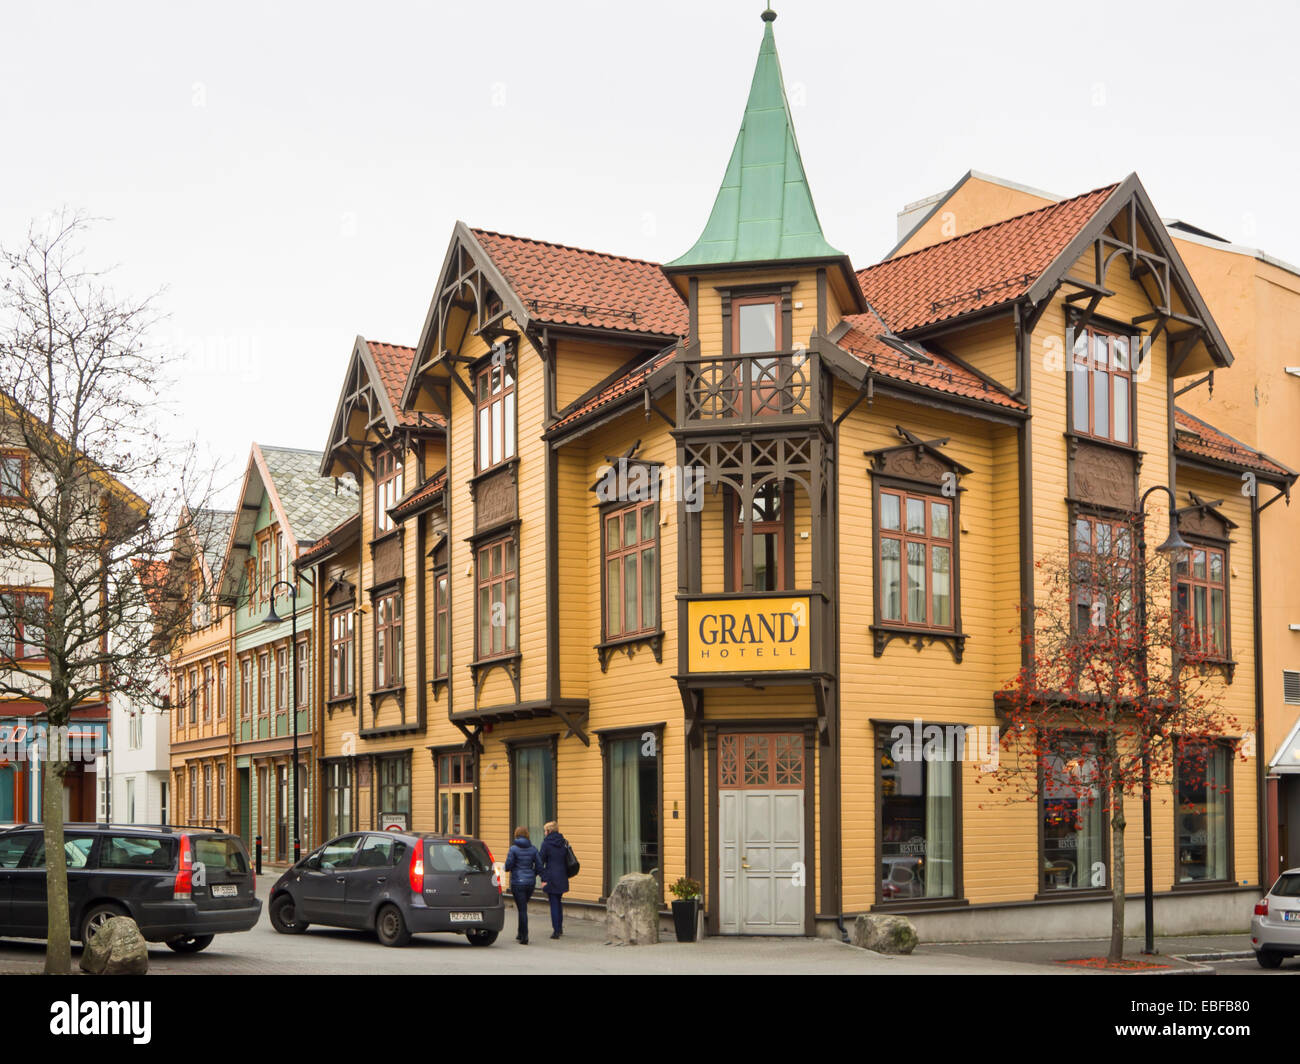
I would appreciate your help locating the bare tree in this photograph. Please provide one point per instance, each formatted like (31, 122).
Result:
(1119, 691)
(91, 494)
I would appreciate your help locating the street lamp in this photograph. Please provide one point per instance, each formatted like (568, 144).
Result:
(274, 618)
(1173, 544)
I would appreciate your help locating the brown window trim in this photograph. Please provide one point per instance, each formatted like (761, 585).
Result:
(733, 561)
(886, 631)
(1116, 521)
(605, 737)
(471, 754)
(388, 470)
(24, 476)
(881, 730)
(1113, 331)
(20, 595)
(389, 667)
(621, 510)
(1071, 892)
(486, 543)
(1225, 660)
(441, 623)
(550, 742)
(508, 369)
(1229, 746)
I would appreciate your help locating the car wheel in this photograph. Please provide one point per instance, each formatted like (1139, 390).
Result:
(96, 918)
(284, 916)
(481, 938)
(1268, 959)
(390, 926)
(190, 943)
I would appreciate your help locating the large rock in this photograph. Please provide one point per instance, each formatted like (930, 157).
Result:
(632, 911)
(885, 934)
(117, 948)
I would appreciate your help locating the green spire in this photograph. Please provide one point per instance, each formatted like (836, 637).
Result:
(764, 210)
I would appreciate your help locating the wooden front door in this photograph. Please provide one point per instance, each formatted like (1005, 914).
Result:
(761, 841)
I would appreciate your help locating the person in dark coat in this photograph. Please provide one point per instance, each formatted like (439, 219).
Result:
(522, 862)
(554, 873)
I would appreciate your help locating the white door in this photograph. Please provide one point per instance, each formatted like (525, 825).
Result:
(761, 835)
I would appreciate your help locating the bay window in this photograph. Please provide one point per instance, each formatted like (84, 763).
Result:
(1102, 574)
(771, 538)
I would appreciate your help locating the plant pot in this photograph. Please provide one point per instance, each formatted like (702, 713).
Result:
(686, 917)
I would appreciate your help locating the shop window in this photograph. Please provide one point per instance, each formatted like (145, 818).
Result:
(456, 794)
(1203, 815)
(395, 786)
(919, 823)
(632, 805)
(532, 788)
(1074, 818)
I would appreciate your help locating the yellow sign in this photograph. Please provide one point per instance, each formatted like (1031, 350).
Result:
(754, 635)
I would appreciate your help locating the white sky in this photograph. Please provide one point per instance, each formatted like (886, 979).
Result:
(290, 174)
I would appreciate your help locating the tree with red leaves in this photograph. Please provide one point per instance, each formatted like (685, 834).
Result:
(1116, 694)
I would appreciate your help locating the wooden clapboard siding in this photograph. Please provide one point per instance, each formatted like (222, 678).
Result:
(533, 561)
(803, 320)
(989, 347)
(581, 365)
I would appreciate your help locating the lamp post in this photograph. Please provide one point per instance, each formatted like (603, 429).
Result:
(1172, 545)
(274, 618)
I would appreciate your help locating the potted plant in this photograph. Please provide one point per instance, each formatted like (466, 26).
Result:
(686, 909)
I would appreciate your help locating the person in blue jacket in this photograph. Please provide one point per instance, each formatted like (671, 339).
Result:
(553, 870)
(522, 862)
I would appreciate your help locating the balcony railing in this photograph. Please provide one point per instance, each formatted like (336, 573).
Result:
(751, 387)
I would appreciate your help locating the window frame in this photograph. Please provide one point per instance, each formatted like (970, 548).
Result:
(506, 396)
(1210, 547)
(343, 647)
(1060, 892)
(607, 739)
(734, 533)
(510, 638)
(23, 458)
(1116, 522)
(20, 595)
(389, 640)
(390, 476)
(1227, 746)
(928, 495)
(441, 623)
(1092, 331)
(620, 511)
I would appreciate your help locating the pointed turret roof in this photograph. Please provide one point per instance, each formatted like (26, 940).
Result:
(764, 211)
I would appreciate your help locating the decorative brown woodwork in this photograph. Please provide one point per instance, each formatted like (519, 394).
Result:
(496, 499)
(1100, 475)
(386, 555)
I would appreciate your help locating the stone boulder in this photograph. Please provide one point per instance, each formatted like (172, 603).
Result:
(632, 911)
(885, 934)
(118, 948)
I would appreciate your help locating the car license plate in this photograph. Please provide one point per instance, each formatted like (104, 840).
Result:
(225, 890)
(1294, 915)
(466, 918)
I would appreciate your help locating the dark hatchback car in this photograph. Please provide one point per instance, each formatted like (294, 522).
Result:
(397, 884)
(181, 886)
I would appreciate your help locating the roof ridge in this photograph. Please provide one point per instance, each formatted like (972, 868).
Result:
(992, 225)
(567, 247)
(264, 447)
(385, 343)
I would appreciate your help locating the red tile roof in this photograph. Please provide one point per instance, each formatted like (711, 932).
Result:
(422, 495)
(604, 395)
(978, 270)
(943, 373)
(1201, 439)
(394, 364)
(561, 285)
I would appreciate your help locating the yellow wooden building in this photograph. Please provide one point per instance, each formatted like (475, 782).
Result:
(668, 553)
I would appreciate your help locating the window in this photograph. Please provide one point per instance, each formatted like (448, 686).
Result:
(1202, 578)
(13, 476)
(378, 852)
(180, 697)
(263, 683)
(221, 691)
(1102, 574)
(281, 558)
(250, 585)
(756, 330)
(456, 794)
(194, 696)
(632, 571)
(388, 487)
(207, 792)
(136, 729)
(771, 526)
(264, 568)
(340, 853)
(494, 400)
(282, 679)
(532, 788)
(341, 661)
(919, 817)
(207, 693)
(338, 798)
(1074, 817)
(221, 791)
(23, 617)
(130, 802)
(194, 792)
(388, 640)
(245, 687)
(498, 598)
(1102, 386)
(395, 786)
(632, 805)
(441, 619)
(916, 582)
(302, 657)
(1203, 815)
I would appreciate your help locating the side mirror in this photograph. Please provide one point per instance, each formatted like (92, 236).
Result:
(313, 862)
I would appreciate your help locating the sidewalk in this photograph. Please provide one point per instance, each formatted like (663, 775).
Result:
(1184, 955)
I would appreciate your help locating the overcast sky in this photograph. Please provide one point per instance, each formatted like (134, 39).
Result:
(290, 175)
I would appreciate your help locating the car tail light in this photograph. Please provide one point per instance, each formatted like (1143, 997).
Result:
(184, 887)
(417, 868)
(1261, 907)
(501, 889)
